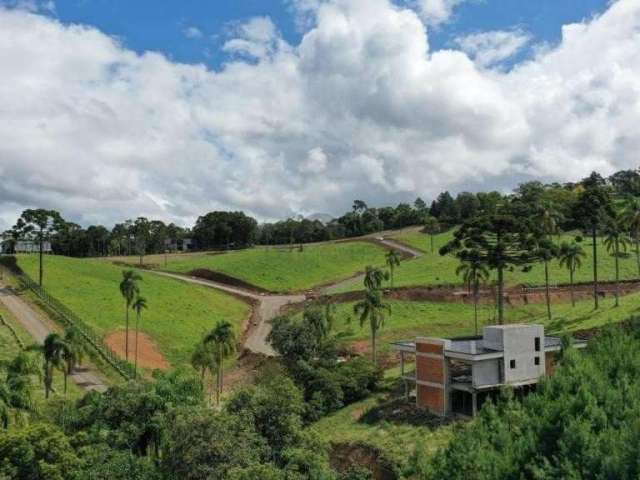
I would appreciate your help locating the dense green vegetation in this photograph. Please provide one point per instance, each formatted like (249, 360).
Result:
(284, 269)
(178, 316)
(22, 392)
(581, 423)
(368, 423)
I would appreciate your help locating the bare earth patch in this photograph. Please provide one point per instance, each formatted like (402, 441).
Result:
(149, 355)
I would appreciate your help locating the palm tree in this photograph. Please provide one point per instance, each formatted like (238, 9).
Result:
(549, 218)
(52, 355)
(223, 339)
(473, 272)
(431, 226)
(374, 277)
(631, 216)
(203, 359)
(129, 289)
(139, 305)
(69, 359)
(329, 313)
(372, 308)
(393, 260)
(5, 406)
(73, 338)
(615, 241)
(571, 255)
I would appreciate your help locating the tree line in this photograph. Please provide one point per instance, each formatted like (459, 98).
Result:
(520, 231)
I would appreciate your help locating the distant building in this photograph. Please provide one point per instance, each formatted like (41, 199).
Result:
(25, 246)
(32, 246)
(181, 245)
(457, 375)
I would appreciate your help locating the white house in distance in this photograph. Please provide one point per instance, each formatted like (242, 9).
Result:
(25, 246)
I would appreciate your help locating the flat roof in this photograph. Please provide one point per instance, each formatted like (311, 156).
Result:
(475, 345)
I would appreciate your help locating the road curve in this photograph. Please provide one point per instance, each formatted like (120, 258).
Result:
(38, 327)
(267, 308)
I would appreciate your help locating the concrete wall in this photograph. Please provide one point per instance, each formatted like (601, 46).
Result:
(486, 372)
(519, 342)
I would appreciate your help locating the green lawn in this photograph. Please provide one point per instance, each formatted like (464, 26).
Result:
(433, 269)
(284, 270)
(9, 348)
(178, 315)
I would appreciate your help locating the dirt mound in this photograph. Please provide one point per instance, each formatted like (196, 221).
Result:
(344, 456)
(214, 276)
(149, 355)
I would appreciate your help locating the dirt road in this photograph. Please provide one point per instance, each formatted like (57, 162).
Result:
(268, 307)
(357, 279)
(39, 327)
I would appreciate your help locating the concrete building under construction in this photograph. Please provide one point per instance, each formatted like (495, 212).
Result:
(457, 375)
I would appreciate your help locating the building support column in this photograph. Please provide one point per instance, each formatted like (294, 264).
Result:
(474, 404)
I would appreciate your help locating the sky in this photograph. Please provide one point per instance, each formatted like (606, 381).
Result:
(112, 109)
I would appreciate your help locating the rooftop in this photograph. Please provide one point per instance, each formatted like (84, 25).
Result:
(475, 345)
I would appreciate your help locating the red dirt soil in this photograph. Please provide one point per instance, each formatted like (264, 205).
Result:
(149, 355)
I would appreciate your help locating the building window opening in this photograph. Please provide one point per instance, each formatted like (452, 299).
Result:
(537, 344)
(512, 364)
(536, 360)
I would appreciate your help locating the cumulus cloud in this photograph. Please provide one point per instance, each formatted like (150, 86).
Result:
(491, 48)
(360, 108)
(257, 38)
(436, 12)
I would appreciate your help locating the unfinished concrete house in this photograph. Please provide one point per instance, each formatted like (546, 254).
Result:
(457, 375)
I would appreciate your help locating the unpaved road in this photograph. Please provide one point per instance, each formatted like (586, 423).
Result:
(39, 327)
(349, 282)
(269, 306)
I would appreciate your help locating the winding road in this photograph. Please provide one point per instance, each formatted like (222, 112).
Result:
(39, 327)
(268, 306)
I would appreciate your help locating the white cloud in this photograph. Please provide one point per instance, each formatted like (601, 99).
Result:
(361, 108)
(491, 48)
(436, 12)
(256, 38)
(192, 32)
(316, 162)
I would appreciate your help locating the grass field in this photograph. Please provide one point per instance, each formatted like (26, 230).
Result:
(178, 314)
(410, 319)
(9, 348)
(433, 269)
(284, 270)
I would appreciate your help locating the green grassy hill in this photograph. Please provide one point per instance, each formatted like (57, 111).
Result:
(433, 269)
(178, 315)
(411, 319)
(283, 270)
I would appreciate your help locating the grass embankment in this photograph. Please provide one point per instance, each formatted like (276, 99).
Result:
(284, 270)
(396, 440)
(179, 314)
(434, 269)
(9, 348)
(433, 319)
